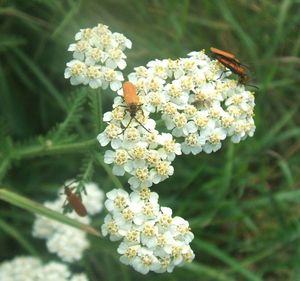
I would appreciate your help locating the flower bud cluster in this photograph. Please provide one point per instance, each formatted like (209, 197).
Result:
(97, 54)
(67, 242)
(152, 240)
(31, 268)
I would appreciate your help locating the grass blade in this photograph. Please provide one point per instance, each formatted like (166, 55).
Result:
(13, 232)
(41, 77)
(235, 265)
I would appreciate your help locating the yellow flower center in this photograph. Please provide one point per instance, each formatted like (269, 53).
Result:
(120, 201)
(132, 134)
(132, 236)
(190, 110)
(128, 215)
(131, 252)
(153, 157)
(118, 113)
(82, 46)
(145, 193)
(142, 174)
(112, 227)
(170, 109)
(170, 145)
(77, 69)
(148, 210)
(112, 131)
(146, 260)
(121, 157)
(110, 75)
(214, 138)
(180, 120)
(191, 139)
(187, 83)
(165, 220)
(174, 91)
(149, 230)
(139, 152)
(93, 72)
(162, 168)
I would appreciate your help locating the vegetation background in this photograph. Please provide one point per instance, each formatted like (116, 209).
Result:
(242, 202)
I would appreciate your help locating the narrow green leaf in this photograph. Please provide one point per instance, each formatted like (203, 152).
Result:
(10, 230)
(38, 209)
(74, 113)
(67, 19)
(8, 41)
(286, 170)
(4, 167)
(230, 18)
(207, 271)
(269, 137)
(289, 196)
(282, 19)
(41, 77)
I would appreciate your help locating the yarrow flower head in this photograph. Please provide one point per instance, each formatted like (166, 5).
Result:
(199, 105)
(145, 155)
(138, 148)
(152, 239)
(67, 242)
(31, 268)
(197, 101)
(98, 53)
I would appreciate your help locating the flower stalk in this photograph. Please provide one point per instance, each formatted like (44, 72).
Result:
(53, 149)
(38, 209)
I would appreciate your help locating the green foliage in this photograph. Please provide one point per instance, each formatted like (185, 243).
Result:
(242, 202)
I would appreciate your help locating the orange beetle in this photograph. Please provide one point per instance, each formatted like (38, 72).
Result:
(132, 101)
(131, 98)
(222, 53)
(231, 62)
(75, 202)
(235, 68)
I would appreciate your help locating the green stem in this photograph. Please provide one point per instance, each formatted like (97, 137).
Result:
(108, 170)
(99, 121)
(36, 208)
(48, 149)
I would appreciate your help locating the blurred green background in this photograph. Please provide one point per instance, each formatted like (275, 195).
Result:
(242, 202)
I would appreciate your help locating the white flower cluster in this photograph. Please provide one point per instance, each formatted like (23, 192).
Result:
(97, 54)
(145, 154)
(199, 107)
(152, 240)
(67, 242)
(31, 268)
(199, 104)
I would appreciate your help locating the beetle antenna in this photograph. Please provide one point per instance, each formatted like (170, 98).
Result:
(141, 125)
(249, 85)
